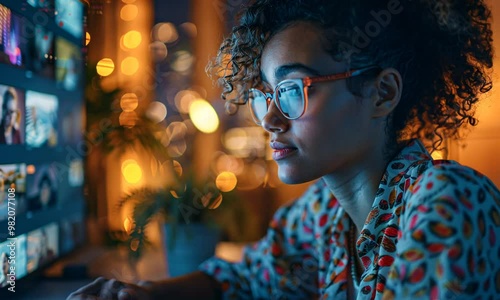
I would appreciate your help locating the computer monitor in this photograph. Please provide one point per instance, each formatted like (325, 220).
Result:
(41, 107)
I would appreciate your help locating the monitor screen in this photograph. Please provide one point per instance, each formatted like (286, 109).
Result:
(72, 233)
(12, 190)
(42, 246)
(11, 115)
(45, 4)
(42, 187)
(68, 65)
(40, 49)
(69, 16)
(12, 44)
(13, 259)
(41, 119)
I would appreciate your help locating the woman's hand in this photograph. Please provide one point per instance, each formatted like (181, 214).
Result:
(103, 289)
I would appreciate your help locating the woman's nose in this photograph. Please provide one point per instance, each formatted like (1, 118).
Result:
(274, 120)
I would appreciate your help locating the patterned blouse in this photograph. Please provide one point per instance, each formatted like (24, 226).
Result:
(433, 233)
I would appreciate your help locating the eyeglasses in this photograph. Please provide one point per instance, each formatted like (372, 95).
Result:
(290, 96)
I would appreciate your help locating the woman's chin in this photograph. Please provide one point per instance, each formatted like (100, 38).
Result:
(288, 177)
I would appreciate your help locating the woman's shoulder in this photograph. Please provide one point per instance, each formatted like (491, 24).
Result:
(451, 174)
(449, 184)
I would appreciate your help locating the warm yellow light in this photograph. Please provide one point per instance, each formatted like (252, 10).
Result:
(128, 119)
(128, 225)
(183, 100)
(158, 51)
(165, 32)
(30, 169)
(128, 1)
(183, 61)
(132, 39)
(229, 163)
(129, 12)
(177, 168)
(105, 67)
(157, 111)
(129, 102)
(130, 65)
(87, 38)
(236, 139)
(226, 181)
(438, 154)
(203, 115)
(131, 171)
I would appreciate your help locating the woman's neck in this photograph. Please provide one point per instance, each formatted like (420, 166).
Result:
(355, 187)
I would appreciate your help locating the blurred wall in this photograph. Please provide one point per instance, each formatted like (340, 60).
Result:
(481, 147)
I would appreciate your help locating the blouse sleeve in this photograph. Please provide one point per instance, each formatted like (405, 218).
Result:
(281, 265)
(449, 247)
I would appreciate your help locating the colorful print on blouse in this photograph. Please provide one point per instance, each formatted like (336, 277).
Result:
(433, 233)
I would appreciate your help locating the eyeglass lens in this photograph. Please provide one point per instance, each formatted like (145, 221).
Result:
(290, 101)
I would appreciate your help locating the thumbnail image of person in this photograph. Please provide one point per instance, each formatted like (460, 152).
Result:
(46, 196)
(41, 119)
(11, 118)
(4, 259)
(47, 253)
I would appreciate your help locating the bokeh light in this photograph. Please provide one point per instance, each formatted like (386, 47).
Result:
(131, 171)
(128, 225)
(226, 181)
(177, 149)
(132, 39)
(130, 65)
(438, 154)
(30, 169)
(129, 12)
(183, 60)
(235, 139)
(224, 162)
(158, 51)
(211, 203)
(190, 29)
(203, 115)
(129, 102)
(183, 100)
(165, 32)
(176, 131)
(128, 119)
(87, 38)
(128, 1)
(105, 67)
(156, 111)
(177, 168)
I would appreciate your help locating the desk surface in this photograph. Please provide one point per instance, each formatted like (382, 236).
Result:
(110, 263)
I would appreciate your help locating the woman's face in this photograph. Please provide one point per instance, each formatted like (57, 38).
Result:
(11, 112)
(337, 132)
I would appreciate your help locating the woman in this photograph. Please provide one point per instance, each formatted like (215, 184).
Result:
(345, 89)
(10, 119)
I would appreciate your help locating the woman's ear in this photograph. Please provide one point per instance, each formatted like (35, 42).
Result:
(389, 86)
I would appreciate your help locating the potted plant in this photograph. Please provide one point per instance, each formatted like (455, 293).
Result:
(193, 216)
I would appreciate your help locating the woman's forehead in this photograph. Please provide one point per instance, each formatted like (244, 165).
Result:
(300, 46)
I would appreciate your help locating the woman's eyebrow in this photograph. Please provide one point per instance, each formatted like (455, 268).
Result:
(281, 72)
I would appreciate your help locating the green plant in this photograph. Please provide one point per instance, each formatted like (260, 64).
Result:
(183, 204)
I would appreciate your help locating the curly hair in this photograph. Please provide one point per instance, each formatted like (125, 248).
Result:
(442, 48)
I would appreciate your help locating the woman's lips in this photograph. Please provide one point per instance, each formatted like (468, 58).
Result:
(281, 150)
(279, 154)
